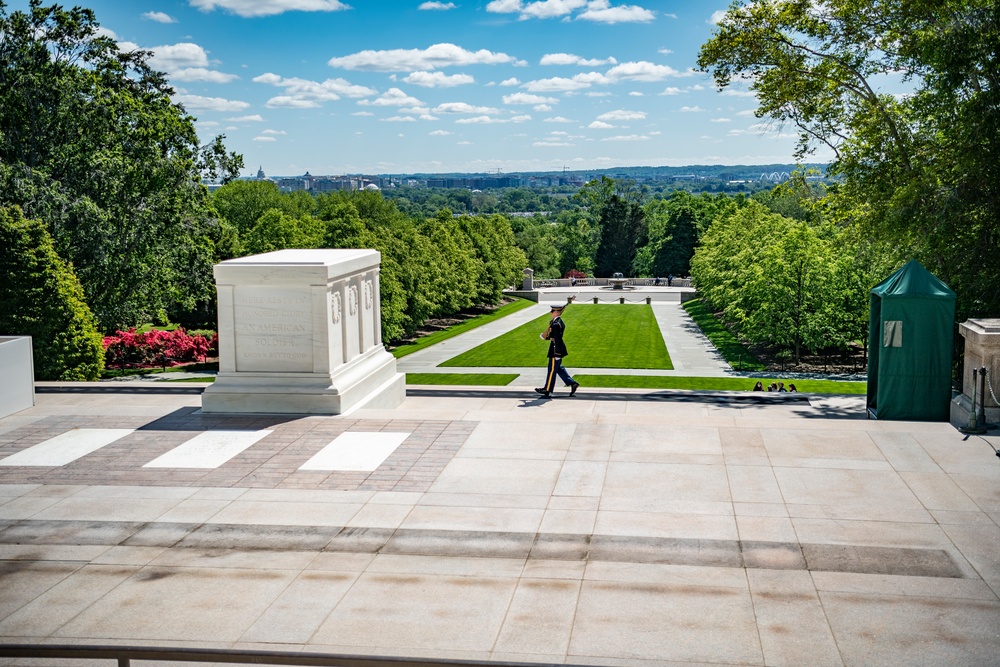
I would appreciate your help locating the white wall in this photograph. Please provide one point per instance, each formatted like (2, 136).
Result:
(17, 375)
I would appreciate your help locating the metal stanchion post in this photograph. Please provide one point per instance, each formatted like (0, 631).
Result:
(981, 411)
(972, 426)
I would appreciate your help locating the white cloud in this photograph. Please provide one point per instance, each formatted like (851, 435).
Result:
(694, 109)
(247, 8)
(438, 79)
(525, 98)
(479, 119)
(600, 11)
(745, 112)
(510, 82)
(306, 94)
(665, 52)
(464, 143)
(636, 93)
(264, 139)
(628, 137)
(409, 60)
(558, 119)
(716, 17)
(631, 71)
(185, 61)
(463, 107)
(722, 120)
(504, 6)
(199, 103)
(600, 125)
(552, 143)
(159, 17)
(557, 84)
(640, 71)
(201, 74)
(621, 114)
(541, 108)
(729, 92)
(255, 118)
(400, 119)
(439, 133)
(362, 113)
(570, 59)
(545, 9)
(289, 102)
(274, 132)
(394, 97)
(442, 6)
(489, 120)
(169, 57)
(597, 94)
(672, 90)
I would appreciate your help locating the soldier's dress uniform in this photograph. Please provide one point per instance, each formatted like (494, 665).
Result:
(557, 350)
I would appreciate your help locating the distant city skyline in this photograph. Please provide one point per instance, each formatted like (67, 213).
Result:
(408, 86)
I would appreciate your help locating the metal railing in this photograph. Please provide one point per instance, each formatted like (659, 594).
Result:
(125, 654)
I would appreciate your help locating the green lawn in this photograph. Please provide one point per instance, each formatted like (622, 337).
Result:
(475, 379)
(726, 343)
(715, 383)
(598, 336)
(468, 325)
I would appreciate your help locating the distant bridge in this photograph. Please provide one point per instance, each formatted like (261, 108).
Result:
(775, 176)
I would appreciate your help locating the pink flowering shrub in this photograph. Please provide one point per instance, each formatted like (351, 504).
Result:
(156, 348)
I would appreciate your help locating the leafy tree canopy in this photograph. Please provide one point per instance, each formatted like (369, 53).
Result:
(919, 170)
(42, 298)
(92, 145)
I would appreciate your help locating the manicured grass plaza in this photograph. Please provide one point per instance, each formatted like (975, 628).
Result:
(597, 335)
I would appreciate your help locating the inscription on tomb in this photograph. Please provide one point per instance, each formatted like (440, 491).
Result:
(273, 329)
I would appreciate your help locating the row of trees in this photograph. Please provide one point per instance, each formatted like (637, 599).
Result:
(794, 283)
(430, 267)
(618, 227)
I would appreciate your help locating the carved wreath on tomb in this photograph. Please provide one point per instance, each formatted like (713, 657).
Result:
(369, 295)
(352, 299)
(335, 307)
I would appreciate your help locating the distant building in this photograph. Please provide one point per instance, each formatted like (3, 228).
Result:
(260, 174)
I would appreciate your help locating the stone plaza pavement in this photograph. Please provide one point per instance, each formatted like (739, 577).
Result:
(626, 528)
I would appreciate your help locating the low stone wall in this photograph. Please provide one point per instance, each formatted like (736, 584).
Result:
(604, 282)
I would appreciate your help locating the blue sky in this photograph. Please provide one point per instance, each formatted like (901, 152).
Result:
(403, 86)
